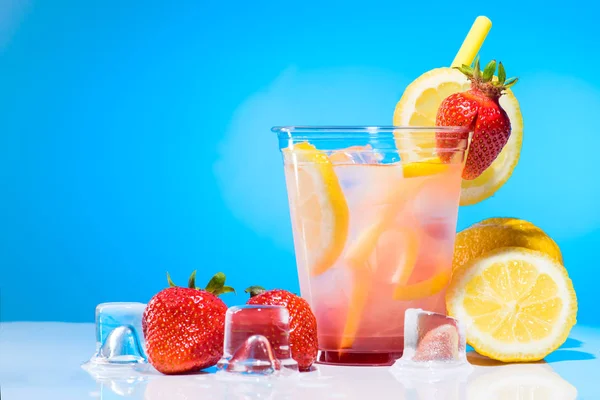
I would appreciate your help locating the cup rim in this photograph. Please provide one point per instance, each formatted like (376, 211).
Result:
(373, 129)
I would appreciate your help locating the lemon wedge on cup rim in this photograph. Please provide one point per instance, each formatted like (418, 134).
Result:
(418, 107)
(518, 304)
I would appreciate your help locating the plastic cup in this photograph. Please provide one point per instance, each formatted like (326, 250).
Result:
(374, 213)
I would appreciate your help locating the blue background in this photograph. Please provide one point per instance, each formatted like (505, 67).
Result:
(134, 135)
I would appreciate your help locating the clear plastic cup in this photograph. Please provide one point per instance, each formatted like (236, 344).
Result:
(374, 213)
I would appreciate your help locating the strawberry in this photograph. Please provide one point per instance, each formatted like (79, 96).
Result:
(479, 109)
(184, 327)
(303, 324)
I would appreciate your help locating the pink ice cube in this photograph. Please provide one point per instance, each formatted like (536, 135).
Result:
(257, 340)
(432, 341)
(440, 344)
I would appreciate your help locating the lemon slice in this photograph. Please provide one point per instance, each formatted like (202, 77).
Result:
(319, 208)
(424, 168)
(518, 304)
(357, 258)
(493, 233)
(418, 107)
(424, 288)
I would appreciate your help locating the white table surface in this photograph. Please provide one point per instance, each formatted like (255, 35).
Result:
(43, 361)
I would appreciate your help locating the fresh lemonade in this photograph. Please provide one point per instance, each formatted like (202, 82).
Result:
(374, 213)
(373, 231)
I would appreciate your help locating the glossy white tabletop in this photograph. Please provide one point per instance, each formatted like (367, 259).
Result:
(43, 361)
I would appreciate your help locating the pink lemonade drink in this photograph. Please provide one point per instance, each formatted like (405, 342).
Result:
(374, 215)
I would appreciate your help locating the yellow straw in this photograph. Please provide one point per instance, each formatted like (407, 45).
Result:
(470, 47)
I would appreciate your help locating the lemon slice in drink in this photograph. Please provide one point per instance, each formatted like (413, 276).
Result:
(518, 304)
(424, 168)
(320, 210)
(418, 107)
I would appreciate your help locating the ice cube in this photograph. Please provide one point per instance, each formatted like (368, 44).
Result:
(255, 355)
(121, 346)
(257, 341)
(433, 342)
(119, 334)
(436, 200)
(440, 343)
(119, 363)
(356, 155)
(368, 186)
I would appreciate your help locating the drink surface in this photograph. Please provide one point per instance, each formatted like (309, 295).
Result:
(397, 252)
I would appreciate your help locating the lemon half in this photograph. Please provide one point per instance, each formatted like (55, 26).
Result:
(418, 107)
(518, 304)
(493, 233)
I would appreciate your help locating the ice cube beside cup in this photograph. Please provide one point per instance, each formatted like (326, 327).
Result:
(257, 342)
(434, 344)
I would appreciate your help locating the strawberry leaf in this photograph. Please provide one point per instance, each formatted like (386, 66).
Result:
(192, 280)
(488, 71)
(224, 289)
(255, 290)
(216, 285)
(171, 284)
(465, 69)
(476, 69)
(501, 73)
(216, 282)
(510, 82)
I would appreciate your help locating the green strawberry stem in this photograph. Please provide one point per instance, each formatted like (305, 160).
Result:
(501, 73)
(216, 285)
(192, 280)
(171, 284)
(484, 81)
(488, 71)
(255, 290)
